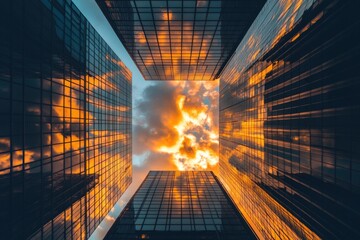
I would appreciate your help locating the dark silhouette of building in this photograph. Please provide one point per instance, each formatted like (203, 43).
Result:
(180, 205)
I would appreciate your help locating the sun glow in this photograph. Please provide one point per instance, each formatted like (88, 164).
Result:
(196, 147)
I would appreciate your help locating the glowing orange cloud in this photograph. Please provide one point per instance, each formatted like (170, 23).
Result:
(180, 119)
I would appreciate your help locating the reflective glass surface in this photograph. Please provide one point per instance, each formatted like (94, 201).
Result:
(181, 39)
(65, 126)
(289, 121)
(180, 205)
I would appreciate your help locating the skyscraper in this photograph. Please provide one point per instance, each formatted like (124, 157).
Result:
(65, 126)
(180, 205)
(289, 114)
(180, 40)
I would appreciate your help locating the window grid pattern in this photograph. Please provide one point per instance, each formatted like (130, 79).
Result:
(180, 40)
(177, 205)
(65, 132)
(288, 122)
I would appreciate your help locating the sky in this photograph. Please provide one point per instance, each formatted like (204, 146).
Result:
(175, 123)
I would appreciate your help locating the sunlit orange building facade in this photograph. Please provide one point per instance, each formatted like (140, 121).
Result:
(289, 115)
(65, 127)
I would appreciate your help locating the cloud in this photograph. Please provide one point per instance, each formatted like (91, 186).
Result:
(158, 114)
(179, 120)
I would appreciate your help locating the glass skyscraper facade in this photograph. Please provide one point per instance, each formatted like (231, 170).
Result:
(289, 121)
(180, 40)
(180, 205)
(65, 126)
